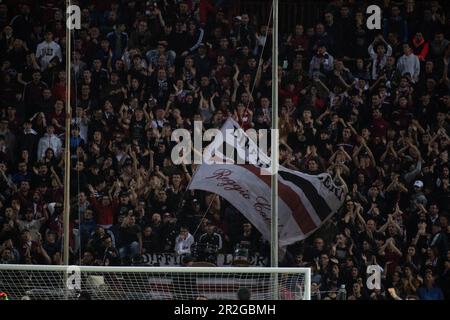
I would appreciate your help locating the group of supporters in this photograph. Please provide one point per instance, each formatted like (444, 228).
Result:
(370, 106)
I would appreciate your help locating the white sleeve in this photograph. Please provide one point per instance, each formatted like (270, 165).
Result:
(40, 149)
(399, 65)
(191, 241)
(58, 52)
(58, 146)
(330, 65)
(199, 40)
(389, 51)
(416, 68)
(38, 51)
(372, 53)
(220, 241)
(178, 245)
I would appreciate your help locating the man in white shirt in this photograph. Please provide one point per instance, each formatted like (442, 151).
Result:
(47, 50)
(409, 63)
(160, 119)
(49, 140)
(322, 62)
(31, 224)
(379, 55)
(184, 241)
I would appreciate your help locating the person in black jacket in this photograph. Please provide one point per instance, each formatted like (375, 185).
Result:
(211, 237)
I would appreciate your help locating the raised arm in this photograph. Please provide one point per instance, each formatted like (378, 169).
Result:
(369, 152)
(338, 178)
(258, 74)
(235, 83)
(321, 84)
(355, 155)
(56, 177)
(326, 113)
(160, 17)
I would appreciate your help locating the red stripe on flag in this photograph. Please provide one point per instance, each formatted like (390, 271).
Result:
(291, 198)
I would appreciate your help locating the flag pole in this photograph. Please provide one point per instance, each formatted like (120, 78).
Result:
(66, 234)
(274, 147)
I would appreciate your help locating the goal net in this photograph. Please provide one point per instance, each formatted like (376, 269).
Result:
(152, 283)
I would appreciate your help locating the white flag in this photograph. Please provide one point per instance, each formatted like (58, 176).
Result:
(305, 201)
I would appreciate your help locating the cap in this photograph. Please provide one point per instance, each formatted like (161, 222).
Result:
(418, 184)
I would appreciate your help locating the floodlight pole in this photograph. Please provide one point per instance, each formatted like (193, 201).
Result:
(68, 111)
(274, 148)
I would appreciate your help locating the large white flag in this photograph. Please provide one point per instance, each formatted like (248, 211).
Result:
(305, 201)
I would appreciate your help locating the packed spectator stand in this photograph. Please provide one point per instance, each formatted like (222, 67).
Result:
(369, 105)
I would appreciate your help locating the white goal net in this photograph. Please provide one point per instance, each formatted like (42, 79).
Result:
(152, 283)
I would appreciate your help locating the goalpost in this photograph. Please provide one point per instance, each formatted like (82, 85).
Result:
(45, 282)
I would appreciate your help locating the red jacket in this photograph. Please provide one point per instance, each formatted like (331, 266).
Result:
(105, 213)
(206, 8)
(59, 91)
(284, 93)
(379, 127)
(420, 48)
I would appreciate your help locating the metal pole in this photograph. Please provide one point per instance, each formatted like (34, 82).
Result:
(66, 212)
(274, 148)
(67, 166)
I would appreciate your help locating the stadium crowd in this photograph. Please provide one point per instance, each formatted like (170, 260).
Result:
(371, 106)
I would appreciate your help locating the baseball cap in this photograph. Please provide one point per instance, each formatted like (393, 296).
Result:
(418, 184)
